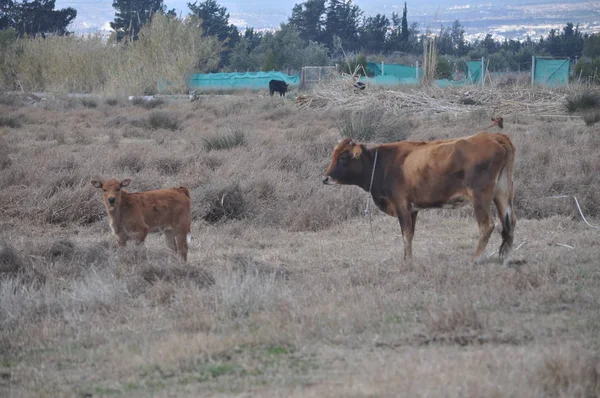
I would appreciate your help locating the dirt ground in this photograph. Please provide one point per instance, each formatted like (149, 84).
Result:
(286, 292)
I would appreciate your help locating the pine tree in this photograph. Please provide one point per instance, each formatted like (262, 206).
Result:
(307, 17)
(35, 17)
(131, 15)
(405, 24)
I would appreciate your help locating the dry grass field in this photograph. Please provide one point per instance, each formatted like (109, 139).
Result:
(286, 293)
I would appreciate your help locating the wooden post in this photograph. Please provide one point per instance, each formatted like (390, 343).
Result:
(532, 70)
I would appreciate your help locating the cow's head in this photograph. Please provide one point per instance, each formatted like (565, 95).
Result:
(112, 191)
(346, 164)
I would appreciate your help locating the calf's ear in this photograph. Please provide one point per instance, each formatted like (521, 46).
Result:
(125, 182)
(96, 183)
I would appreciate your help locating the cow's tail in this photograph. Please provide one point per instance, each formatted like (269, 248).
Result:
(504, 196)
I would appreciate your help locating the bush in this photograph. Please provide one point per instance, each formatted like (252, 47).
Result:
(591, 117)
(372, 125)
(89, 103)
(111, 101)
(224, 141)
(217, 203)
(10, 121)
(582, 101)
(162, 120)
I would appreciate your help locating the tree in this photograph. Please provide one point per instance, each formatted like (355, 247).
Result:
(131, 15)
(591, 46)
(307, 17)
(35, 17)
(342, 19)
(404, 33)
(373, 33)
(215, 22)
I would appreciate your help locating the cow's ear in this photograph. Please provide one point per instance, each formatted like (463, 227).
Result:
(96, 183)
(125, 182)
(357, 151)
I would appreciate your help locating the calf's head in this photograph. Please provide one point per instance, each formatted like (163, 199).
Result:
(347, 164)
(112, 191)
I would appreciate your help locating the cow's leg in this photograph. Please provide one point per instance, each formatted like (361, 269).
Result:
(482, 205)
(407, 225)
(182, 244)
(509, 220)
(140, 235)
(170, 239)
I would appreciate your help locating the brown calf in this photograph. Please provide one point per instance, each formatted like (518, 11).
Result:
(134, 215)
(405, 177)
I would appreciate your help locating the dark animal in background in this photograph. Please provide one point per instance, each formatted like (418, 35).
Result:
(278, 85)
(359, 85)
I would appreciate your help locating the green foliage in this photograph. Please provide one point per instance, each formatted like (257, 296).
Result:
(131, 15)
(349, 65)
(588, 69)
(36, 17)
(591, 46)
(443, 68)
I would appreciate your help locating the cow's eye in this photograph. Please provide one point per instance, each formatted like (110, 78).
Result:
(117, 190)
(344, 158)
(105, 190)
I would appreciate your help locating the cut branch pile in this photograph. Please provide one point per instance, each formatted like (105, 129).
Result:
(431, 99)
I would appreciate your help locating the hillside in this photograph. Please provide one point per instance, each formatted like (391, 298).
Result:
(513, 18)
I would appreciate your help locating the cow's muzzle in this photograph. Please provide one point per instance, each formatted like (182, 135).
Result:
(327, 180)
(111, 201)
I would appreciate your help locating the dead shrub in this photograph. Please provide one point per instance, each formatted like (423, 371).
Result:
(219, 203)
(227, 140)
(591, 117)
(111, 101)
(131, 162)
(169, 165)
(77, 205)
(372, 125)
(12, 266)
(582, 101)
(10, 121)
(5, 160)
(245, 264)
(567, 373)
(457, 316)
(177, 274)
(162, 120)
(89, 103)
(153, 103)
(322, 210)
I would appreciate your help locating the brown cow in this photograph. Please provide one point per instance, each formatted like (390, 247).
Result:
(405, 177)
(134, 215)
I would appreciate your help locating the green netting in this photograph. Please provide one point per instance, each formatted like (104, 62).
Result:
(238, 81)
(551, 72)
(473, 72)
(402, 72)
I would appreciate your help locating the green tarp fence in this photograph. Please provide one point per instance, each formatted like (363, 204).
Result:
(474, 73)
(392, 74)
(551, 72)
(238, 81)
